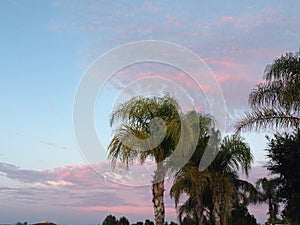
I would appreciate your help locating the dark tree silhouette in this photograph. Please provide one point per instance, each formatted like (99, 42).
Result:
(110, 220)
(149, 222)
(268, 189)
(241, 216)
(123, 221)
(284, 154)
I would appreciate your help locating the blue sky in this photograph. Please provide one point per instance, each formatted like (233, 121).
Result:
(47, 46)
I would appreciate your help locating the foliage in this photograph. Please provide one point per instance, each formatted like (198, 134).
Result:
(134, 139)
(148, 222)
(123, 221)
(187, 220)
(139, 223)
(268, 190)
(276, 101)
(110, 220)
(190, 180)
(213, 191)
(135, 116)
(234, 156)
(284, 154)
(42, 223)
(241, 216)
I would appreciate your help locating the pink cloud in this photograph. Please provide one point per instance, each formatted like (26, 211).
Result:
(125, 209)
(229, 64)
(225, 78)
(233, 77)
(227, 19)
(174, 22)
(265, 52)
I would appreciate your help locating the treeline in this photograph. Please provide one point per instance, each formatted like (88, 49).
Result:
(240, 216)
(43, 223)
(112, 220)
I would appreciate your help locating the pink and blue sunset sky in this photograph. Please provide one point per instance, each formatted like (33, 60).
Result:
(46, 47)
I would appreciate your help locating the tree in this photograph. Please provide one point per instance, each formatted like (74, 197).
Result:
(138, 223)
(187, 220)
(45, 223)
(173, 223)
(269, 194)
(110, 220)
(234, 155)
(276, 101)
(190, 180)
(217, 187)
(284, 154)
(241, 216)
(148, 222)
(123, 221)
(138, 138)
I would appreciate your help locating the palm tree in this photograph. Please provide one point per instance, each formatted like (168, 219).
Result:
(234, 155)
(269, 194)
(276, 101)
(138, 138)
(213, 191)
(190, 180)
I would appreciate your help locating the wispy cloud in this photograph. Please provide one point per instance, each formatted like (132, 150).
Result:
(44, 141)
(55, 145)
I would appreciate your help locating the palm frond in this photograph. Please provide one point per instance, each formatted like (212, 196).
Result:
(189, 180)
(276, 94)
(267, 117)
(276, 101)
(285, 67)
(187, 208)
(235, 154)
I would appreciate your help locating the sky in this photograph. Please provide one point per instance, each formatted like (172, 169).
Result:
(47, 49)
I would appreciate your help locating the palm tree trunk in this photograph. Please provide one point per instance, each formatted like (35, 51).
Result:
(211, 215)
(158, 196)
(272, 213)
(199, 211)
(217, 207)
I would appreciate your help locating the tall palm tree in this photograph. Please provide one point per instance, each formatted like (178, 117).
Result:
(269, 194)
(138, 138)
(276, 101)
(213, 191)
(234, 155)
(190, 180)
